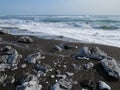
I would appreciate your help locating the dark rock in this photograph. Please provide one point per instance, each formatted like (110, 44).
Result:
(57, 71)
(92, 53)
(60, 36)
(25, 39)
(89, 65)
(62, 47)
(111, 67)
(9, 58)
(68, 74)
(9, 80)
(66, 84)
(76, 67)
(58, 48)
(61, 76)
(32, 58)
(30, 82)
(62, 84)
(103, 86)
(3, 66)
(56, 86)
(41, 68)
(10, 55)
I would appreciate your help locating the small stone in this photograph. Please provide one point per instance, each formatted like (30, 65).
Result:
(43, 57)
(59, 65)
(60, 36)
(25, 39)
(62, 47)
(41, 69)
(38, 62)
(3, 66)
(52, 76)
(103, 86)
(23, 66)
(82, 58)
(14, 68)
(46, 82)
(57, 71)
(51, 69)
(32, 58)
(56, 80)
(20, 57)
(75, 82)
(61, 76)
(68, 74)
(76, 47)
(89, 65)
(62, 85)
(58, 48)
(38, 74)
(64, 66)
(56, 86)
(76, 67)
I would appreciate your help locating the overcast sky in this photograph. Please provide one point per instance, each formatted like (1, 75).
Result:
(59, 7)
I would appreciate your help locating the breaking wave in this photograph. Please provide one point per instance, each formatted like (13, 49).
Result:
(92, 29)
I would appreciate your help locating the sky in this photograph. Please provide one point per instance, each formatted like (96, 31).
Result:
(59, 7)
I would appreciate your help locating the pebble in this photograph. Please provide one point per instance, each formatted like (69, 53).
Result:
(104, 86)
(68, 74)
(57, 71)
(23, 66)
(52, 76)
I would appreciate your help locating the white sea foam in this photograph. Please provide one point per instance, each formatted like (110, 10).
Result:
(85, 33)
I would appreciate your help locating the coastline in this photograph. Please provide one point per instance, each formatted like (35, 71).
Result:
(46, 48)
(98, 30)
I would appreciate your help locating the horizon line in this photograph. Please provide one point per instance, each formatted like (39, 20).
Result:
(58, 15)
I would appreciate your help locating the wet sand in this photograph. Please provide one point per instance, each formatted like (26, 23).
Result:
(46, 48)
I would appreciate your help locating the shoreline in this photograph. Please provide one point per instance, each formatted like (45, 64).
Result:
(17, 31)
(46, 48)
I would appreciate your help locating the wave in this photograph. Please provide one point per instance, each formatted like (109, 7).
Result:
(87, 35)
(92, 32)
(107, 21)
(108, 27)
(81, 18)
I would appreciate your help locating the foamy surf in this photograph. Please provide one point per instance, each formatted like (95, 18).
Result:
(99, 30)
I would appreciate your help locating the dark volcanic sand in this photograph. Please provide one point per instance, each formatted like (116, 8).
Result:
(46, 48)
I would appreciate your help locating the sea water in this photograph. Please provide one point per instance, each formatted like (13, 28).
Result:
(84, 28)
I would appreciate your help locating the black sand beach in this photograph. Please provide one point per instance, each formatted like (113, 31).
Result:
(66, 60)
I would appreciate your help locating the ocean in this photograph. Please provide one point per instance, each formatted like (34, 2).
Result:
(84, 28)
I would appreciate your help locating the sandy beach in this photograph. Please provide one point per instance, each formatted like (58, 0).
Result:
(64, 62)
